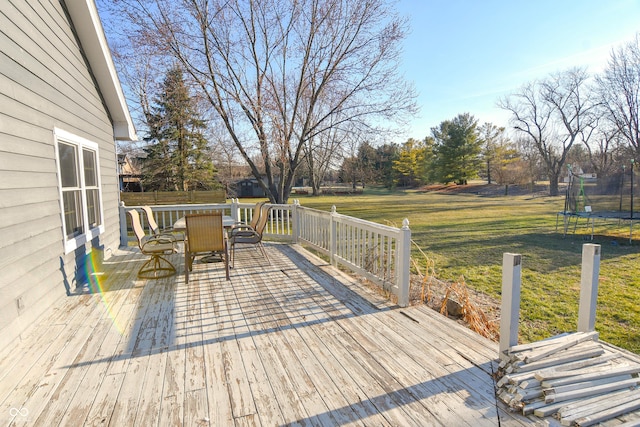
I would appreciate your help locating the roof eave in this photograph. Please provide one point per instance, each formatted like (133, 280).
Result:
(86, 21)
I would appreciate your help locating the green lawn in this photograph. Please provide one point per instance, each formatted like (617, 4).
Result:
(466, 234)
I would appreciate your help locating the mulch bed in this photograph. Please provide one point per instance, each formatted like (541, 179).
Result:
(489, 190)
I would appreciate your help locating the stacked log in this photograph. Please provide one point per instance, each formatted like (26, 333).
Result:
(571, 377)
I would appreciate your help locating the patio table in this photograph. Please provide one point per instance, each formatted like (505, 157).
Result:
(181, 224)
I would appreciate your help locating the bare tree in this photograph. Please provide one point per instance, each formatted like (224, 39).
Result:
(619, 90)
(493, 139)
(605, 149)
(225, 156)
(279, 72)
(349, 169)
(321, 152)
(531, 166)
(553, 114)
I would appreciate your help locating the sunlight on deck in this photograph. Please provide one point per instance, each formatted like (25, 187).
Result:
(294, 342)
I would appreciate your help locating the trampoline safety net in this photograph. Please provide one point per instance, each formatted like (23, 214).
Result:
(611, 196)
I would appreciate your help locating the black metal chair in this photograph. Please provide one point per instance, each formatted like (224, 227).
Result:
(251, 236)
(250, 225)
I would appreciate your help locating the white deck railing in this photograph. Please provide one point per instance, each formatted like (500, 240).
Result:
(378, 252)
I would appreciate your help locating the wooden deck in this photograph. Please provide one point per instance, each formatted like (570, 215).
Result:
(291, 343)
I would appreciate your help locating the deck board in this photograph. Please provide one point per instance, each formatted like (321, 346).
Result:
(309, 378)
(291, 342)
(308, 352)
(310, 313)
(260, 312)
(220, 409)
(353, 343)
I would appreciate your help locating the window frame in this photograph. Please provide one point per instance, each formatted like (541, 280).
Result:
(80, 144)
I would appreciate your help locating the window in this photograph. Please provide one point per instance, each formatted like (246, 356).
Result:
(80, 194)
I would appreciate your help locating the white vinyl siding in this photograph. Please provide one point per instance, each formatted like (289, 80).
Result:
(46, 83)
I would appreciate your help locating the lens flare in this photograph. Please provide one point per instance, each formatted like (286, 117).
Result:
(97, 284)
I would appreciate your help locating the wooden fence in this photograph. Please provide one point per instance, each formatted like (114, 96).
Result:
(172, 197)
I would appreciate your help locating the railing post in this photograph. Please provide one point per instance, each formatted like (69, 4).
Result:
(589, 287)
(235, 210)
(510, 308)
(403, 277)
(295, 221)
(333, 238)
(124, 237)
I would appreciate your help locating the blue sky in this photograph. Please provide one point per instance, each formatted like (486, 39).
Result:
(463, 55)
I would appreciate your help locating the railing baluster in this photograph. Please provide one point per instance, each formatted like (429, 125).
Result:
(367, 248)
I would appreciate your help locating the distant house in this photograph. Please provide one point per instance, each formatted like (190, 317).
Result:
(61, 110)
(129, 173)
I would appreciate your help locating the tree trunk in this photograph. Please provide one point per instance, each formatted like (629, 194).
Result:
(553, 184)
(315, 190)
(314, 183)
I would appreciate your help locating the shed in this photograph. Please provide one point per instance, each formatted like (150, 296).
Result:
(249, 187)
(61, 110)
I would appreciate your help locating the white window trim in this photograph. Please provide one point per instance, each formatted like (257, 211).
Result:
(70, 138)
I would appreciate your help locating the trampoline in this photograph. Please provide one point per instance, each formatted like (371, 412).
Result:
(608, 198)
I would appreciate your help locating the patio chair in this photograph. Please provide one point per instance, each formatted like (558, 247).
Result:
(157, 266)
(205, 235)
(251, 236)
(155, 229)
(255, 217)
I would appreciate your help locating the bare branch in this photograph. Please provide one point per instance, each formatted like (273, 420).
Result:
(280, 73)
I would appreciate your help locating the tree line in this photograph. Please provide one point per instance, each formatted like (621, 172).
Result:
(568, 118)
(310, 89)
(458, 150)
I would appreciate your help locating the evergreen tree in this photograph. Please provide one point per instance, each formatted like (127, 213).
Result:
(366, 163)
(349, 171)
(457, 149)
(428, 171)
(412, 163)
(177, 158)
(385, 156)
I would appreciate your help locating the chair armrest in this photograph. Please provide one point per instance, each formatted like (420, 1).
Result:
(158, 240)
(241, 226)
(166, 235)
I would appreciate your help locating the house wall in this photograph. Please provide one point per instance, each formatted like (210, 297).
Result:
(45, 83)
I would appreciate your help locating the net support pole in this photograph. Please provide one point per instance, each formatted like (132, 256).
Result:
(589, 287)
(631, 217)
(632, 179)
